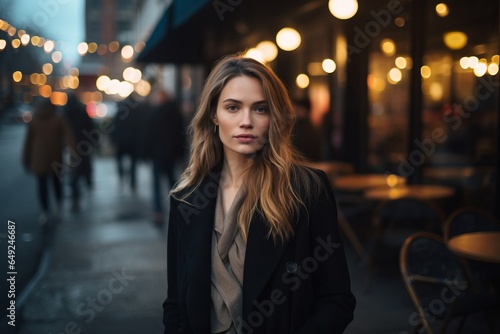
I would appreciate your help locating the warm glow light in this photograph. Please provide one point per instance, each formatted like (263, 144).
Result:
(328, 65)
(57, 56)
(436, 91)
(399, 22)
(388, 47)
(127, 52)
(394, 76)
(425, 71)
(11, 31)
(492, 69)
(132, 75)
(455, 40)
(83, 48)
(255, 54)
(480, 69)
(45, 91)
(139, 46)
(343, 9)
(25, 39)
(102, 110)
(59, 98)
(35, 40)
(17, 76)
(113, 46)
(442, 9)
(48, 46)
(113, 87)
(464, 62)
(16, 43)
(143, 88)
(102, 83)
(102, 49)
(47, 68)
(288, 39)
(302, 81)
(41, 79)
(268, 49)
(34, 78)
(400, 62)
(125, 88)
(73, 82)
(495, 59)
(3, 44)
(392, 180)
(473, 61)
(376, 84)
(315, 69)
(92, 47)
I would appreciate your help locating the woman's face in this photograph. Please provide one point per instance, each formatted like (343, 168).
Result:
(242, 116)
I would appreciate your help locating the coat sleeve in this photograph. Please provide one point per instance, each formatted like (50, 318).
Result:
(171, 315)
(334, 302)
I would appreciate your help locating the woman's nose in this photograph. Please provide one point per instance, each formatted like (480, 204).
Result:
(246, 119)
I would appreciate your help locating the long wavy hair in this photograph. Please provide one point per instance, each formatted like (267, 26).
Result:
(276, 174)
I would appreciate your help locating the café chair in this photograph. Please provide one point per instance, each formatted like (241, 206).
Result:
(474, 219)
(469, 219)
(395, 220)
(439, 285)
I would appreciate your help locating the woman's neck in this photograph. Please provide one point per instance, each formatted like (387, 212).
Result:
(234, 172)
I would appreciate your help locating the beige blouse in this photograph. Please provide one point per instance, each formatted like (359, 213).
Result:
(228, 257)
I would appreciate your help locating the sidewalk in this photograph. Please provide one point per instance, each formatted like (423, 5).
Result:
(107, 264)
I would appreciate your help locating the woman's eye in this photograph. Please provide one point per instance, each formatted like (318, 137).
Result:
(261, 109)
(232, 108)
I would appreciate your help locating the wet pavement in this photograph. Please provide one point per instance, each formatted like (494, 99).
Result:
(105, 271)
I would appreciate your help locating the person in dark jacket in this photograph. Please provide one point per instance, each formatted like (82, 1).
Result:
(126, 138)
(165, 145)
(47, 135)
(253, 238)
(82, 125)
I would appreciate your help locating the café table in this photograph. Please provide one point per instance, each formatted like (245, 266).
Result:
(419, 191)
(356, 183)
(479, 246)
(361, 182)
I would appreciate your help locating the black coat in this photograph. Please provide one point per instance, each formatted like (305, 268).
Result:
(301, 286)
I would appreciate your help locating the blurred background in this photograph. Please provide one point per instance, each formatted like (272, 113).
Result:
(406, 92)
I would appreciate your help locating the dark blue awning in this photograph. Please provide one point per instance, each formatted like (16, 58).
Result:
(172, 41)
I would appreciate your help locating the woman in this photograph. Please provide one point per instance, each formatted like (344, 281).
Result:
(253, 242)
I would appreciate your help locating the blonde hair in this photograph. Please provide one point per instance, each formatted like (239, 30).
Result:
(276, 174)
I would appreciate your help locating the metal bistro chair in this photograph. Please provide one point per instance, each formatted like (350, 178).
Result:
(439, 284)
(473, 219)
(393, 222)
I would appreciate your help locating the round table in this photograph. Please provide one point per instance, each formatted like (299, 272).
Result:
(360, 182)
(420, 191)
(480, 246)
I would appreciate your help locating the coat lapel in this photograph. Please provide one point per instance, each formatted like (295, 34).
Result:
(261, 258)
(195, 228)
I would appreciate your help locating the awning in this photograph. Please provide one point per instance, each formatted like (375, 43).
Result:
(173, 41)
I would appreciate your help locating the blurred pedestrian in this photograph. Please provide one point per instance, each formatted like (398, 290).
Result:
(306, 137)
(82, 125)
(253, 239)
(126, 138)
(47, 135)
(165, 142)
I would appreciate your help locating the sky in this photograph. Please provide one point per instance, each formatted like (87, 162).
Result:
(59, 20)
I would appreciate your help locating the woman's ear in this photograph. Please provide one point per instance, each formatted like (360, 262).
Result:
(214, 119)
